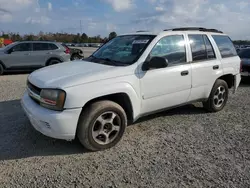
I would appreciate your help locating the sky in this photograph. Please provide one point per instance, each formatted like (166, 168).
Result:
(100, 17)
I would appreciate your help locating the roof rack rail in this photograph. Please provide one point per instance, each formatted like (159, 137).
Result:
(140, 31)
(194, 29)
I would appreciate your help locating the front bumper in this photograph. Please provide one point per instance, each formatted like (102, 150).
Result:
(59, 125)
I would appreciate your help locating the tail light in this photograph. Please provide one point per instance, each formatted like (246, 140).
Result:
(67, 51)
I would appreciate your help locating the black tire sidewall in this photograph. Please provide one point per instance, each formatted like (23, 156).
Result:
(53, 62)
(215, 87)
(1, 69)
(86, 123)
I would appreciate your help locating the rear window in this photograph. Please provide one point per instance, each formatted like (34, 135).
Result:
(225, 45)
(52, 46)
(245, 53)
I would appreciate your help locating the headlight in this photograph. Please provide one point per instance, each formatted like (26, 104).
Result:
(53, 99)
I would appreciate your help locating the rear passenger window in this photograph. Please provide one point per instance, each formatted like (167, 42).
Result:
(171, 48)
(52, 47)
(40, 46)
(209, 48)
(201, 47)
(225, 46)
(198, 47)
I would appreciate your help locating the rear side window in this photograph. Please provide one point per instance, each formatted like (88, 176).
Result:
(52, 46)
(201, 47)
(244, 53)
(209, 48)
(40, 46)
(225, 45)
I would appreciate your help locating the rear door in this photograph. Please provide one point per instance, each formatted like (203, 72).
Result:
(41, 53)
(206, 67)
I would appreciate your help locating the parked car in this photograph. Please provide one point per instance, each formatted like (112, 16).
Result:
(75, 53)
(94, 100)
(32, 55)
(244, 54)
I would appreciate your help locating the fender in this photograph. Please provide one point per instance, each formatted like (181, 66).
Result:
(78, 96)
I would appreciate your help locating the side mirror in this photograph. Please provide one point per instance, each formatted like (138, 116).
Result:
(155, 63)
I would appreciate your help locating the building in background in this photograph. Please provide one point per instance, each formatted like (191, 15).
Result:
(5, 42)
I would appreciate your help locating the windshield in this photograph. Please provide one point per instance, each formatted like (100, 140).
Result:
(124, 49)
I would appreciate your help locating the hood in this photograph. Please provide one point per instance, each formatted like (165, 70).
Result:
(74, 73)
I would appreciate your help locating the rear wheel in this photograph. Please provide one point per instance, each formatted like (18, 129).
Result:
(218, 97)
(101, 125)
(53, 62)
(1, 69)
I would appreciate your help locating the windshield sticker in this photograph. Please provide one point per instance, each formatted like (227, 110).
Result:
(140, 41)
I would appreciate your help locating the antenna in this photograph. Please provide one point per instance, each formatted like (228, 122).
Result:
(81, 26)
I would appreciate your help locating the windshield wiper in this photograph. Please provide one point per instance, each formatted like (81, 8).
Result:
(112, 62)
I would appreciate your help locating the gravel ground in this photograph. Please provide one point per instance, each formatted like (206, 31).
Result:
(184, 147)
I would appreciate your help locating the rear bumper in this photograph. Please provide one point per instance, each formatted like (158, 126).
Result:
(65, 57)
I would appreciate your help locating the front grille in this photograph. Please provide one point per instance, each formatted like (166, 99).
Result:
(33, 88)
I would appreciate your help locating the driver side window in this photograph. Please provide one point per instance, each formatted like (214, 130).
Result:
(172, 48)
(22, 47)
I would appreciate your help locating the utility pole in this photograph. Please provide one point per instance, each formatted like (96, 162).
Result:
(81, 26)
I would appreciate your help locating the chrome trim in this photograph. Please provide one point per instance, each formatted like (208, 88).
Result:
(33, 95)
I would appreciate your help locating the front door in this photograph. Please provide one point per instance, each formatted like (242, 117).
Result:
(20, 56)
(170, 86)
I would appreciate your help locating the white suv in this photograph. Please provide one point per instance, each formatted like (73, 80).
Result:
(131, 76)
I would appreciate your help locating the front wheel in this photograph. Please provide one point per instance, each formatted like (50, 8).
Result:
(101, 125)
(218, 97)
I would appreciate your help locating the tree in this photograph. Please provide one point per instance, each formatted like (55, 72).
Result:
(84, 37)
(112, 35)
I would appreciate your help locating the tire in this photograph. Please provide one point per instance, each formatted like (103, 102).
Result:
(95, 125)
(1, 69)
(53, 62)
(76, 57)
(218, 97)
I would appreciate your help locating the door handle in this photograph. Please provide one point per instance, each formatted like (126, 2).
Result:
(27, 54)
(215, 67)
(49, 52)
(184, 73)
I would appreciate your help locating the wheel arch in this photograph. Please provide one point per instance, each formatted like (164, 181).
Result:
(1, 63)
(120, 98)
(229, 79)
(52, 58)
